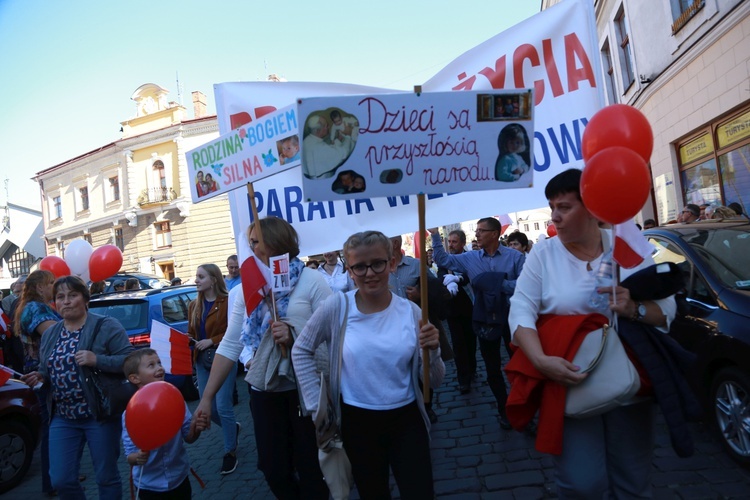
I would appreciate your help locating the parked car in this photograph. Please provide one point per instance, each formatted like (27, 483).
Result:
(19, 432)
(147, 281)
(713, 318)
(136, 310)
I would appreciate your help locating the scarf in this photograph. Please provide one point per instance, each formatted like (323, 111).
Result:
(258, 322)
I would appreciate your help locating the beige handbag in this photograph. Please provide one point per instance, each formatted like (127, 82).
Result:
(334, 464)
(612, 379)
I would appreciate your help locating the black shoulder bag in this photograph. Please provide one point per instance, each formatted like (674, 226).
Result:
(111, 390)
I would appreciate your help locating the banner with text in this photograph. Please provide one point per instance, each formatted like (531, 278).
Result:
(402, 144)
(555, 52)
(246, 154)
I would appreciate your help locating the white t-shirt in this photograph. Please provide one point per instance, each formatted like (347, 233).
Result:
(378, 349)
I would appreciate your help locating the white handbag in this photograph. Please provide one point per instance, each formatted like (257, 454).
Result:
(612, 379)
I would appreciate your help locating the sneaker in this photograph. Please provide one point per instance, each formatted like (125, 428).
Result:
(229, 464)
(237, 439)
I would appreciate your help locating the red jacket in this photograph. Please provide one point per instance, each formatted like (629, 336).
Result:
(531, 391)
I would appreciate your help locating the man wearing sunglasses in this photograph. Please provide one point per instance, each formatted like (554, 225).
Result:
(492, 271)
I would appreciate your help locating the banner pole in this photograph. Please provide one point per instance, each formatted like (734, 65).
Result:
(259, 234)
(423, 297)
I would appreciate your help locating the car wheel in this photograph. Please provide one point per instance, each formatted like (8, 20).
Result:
(730, 396)
(16, 452)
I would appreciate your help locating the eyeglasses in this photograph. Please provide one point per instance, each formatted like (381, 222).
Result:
(377, 267)
(479, 230)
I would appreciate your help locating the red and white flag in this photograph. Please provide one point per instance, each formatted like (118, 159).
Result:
(256, 276)
(173, 348)
(4, 324)
(505, 222)
(255, 279)
(5, 374)
(631, 247)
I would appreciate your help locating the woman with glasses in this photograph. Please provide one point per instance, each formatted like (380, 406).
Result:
(284, 431)
(376, 364)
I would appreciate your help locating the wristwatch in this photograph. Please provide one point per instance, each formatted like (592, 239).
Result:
(640, 311)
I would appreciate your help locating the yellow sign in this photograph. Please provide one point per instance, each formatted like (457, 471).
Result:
(734, 131)
(696, 148)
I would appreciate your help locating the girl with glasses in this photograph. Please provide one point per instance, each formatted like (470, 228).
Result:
(375, 368)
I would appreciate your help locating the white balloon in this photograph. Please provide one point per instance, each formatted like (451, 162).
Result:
(77, 254)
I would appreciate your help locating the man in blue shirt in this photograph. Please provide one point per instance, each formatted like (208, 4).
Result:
(502, 266)
(233, 272)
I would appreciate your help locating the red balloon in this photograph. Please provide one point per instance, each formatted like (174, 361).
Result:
(55, 265)
(104, 262)
(615, 184)
(618, 125)
(551, 230)
(154, 415)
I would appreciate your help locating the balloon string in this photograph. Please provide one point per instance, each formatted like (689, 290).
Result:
(140, 475)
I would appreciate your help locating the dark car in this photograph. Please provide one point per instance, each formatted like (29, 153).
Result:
(136, 310)
(19, 432)
(147, 281)
(713, 318)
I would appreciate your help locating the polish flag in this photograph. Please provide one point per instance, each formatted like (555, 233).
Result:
(631, 247)
(5, 374)
(505, 222)
(256, 276)
(173, 348)
(4, 324)
(255, 279)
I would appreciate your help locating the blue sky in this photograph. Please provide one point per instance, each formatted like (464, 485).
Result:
(70, 67)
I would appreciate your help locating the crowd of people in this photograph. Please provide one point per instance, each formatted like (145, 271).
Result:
(354, 317)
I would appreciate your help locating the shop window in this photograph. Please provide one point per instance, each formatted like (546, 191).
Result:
(700, 184)
(735, 176)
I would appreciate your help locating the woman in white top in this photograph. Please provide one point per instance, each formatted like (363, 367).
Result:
(609, 452)
(334, 273)
(383, 420)
(284, 431)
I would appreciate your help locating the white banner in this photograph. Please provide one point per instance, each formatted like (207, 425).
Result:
(408, 143)
(554, 52)
(246, 154)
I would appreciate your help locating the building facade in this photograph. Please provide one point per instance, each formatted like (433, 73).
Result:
(134, 193)
(686, 65)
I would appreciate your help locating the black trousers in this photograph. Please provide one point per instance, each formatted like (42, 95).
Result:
(286, 443)
(490, 350)
(464, 348)
(182, 492)
(376, 440)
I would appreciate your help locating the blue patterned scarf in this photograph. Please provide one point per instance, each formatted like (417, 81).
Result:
(260, 319)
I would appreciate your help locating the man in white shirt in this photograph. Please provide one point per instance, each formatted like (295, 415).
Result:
(319, 158)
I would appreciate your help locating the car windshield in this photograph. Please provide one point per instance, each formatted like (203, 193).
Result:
(726, 251)
(131, 315)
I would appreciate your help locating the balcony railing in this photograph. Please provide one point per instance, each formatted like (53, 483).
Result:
(687, 14)
(153, 196)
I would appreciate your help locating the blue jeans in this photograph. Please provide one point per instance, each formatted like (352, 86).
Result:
(607, 453)
(222, 407)
(66, 440)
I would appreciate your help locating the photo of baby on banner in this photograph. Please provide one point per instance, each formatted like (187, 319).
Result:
(409, 143)
(329, 138)
(288, 149)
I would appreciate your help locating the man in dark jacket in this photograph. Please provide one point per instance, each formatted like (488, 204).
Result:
(459, 315)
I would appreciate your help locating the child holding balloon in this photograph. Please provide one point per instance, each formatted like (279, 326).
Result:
(163, 470)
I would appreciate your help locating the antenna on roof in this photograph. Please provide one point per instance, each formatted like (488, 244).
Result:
(179, 89)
